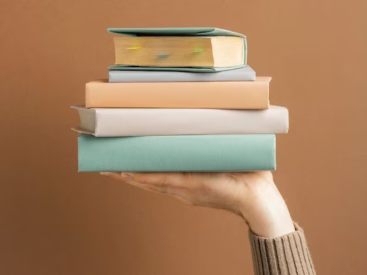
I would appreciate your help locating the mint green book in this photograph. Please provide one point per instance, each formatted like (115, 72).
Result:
(186, 153)
(177, 32)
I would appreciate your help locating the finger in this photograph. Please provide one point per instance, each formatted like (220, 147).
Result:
(158, 179)
(141, 186)
(116, 175)
(153, 182)
(158, 190)
(155, 188)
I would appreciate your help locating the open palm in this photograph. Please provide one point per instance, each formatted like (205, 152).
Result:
(252, 195)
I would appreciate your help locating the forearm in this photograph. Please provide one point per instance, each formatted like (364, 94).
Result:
(284, 255)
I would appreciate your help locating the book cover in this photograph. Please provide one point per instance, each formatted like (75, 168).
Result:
(243, 74)
(191, 153)
(217, 95)
(115, 122)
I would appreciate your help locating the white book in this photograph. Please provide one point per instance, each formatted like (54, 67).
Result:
(118, 122)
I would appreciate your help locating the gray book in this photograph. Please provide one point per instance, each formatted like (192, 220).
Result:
(243, 74)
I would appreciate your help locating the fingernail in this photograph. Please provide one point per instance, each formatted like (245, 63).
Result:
(106, 173)
(127, 175)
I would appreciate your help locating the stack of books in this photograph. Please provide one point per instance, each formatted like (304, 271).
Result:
(179, 100)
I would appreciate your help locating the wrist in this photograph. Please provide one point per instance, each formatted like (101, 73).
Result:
(266, 212)
(272, 227)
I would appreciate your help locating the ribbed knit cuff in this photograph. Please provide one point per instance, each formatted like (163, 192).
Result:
(285, 255)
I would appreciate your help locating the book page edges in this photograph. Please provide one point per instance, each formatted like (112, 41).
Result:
(82, 131)
(88, 120)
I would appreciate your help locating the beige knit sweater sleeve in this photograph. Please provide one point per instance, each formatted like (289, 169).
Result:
(286, 255)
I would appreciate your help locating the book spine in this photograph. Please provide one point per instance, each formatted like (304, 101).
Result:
(214, 153)
(158, 122)
(217, 95)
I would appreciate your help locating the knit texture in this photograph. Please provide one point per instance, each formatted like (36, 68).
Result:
(286, 255)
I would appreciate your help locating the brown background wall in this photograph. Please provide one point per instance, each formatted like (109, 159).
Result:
(56, 221)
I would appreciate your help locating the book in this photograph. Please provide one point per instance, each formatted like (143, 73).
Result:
(176, 51)
(191, 49)
(190, 153)
(196, 95)
(243, 74)
(115, 122)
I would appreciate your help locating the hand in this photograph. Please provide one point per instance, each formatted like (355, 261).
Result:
(253, 196)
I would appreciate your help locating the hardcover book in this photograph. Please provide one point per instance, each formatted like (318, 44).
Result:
(194, 95)
(243, 74)
(216, 51)
(191, 153)
(207, 49)
(115, 122)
